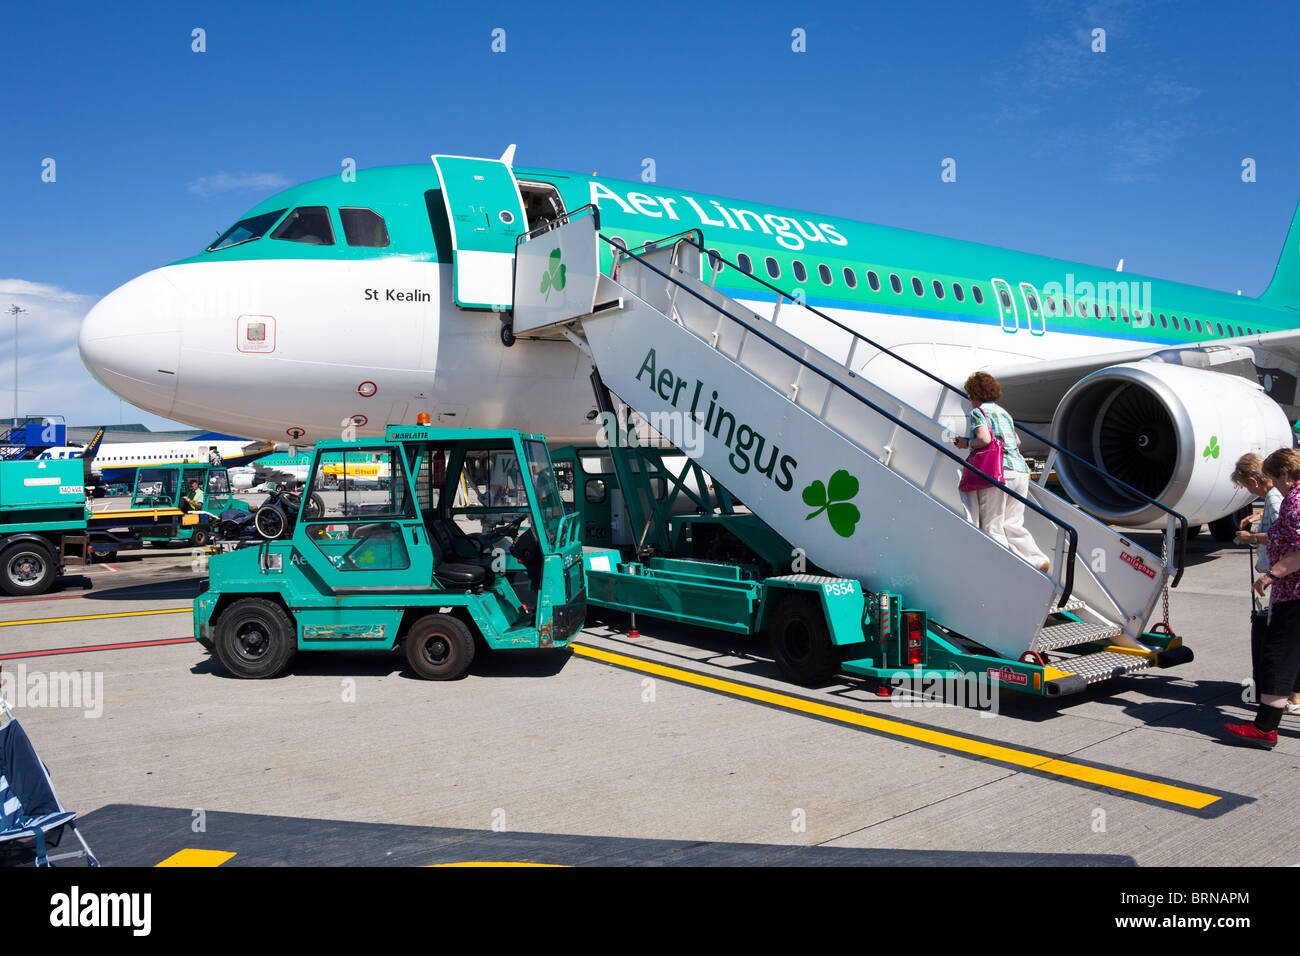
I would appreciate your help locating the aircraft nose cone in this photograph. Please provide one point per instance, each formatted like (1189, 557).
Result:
(131, 342)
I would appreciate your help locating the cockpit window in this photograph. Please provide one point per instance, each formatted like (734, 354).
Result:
(309, 224)
(254, 227)
(364, 227)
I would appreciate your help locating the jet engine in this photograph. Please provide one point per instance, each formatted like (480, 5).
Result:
(1172, 432)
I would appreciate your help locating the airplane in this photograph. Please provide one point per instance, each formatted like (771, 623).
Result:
(116, 462)
(278, 469)
(355, 304)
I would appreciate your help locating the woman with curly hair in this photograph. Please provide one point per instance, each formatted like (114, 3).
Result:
(1001, 516)
(1277, 660)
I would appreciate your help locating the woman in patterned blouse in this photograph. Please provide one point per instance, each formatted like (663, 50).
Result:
(1278, 661)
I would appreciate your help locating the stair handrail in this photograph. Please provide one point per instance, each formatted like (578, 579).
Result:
(1072, 536)
(713, 257)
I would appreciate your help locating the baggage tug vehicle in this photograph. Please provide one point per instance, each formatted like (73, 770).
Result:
(374, 568)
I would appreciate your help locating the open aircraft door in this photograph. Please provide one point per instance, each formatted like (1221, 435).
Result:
(486, 215)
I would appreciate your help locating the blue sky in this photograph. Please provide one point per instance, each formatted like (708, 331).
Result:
(1134, 152)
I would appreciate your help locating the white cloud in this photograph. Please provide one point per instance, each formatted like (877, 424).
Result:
(231, 182)
(51, 378)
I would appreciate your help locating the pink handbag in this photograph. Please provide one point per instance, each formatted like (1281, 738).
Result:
(987, 459)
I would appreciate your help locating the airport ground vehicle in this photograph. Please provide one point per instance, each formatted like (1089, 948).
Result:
(156, 514)
(426, 561)
(854, 548)
(42, 523)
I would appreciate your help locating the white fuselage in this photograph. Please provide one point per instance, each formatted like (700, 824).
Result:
(299, 350)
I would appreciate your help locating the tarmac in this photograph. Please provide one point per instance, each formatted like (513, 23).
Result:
(677, 746)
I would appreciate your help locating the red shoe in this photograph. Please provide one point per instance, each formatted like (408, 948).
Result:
(1252, 736)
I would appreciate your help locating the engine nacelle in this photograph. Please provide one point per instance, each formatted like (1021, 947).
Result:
(1169, 431)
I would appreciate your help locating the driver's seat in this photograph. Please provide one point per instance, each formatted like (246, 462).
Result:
(456, 575)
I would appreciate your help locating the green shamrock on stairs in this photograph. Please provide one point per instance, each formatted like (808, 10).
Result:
(834, 500)
(553, 277)
(1212, 449)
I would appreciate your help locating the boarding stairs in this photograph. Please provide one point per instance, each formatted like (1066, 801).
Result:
(865, 484)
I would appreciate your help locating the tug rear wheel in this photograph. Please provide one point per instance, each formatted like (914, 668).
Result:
(439, 647)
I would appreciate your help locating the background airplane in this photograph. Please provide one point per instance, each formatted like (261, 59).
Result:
(111, 463)
(337, 305)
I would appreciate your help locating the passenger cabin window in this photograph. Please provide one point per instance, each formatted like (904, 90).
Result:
(1051, 304)
(364, 227)
(800, 272)
(850, 278)
(773, 268)
(1006, 298)
(958, 292)
(824, 273)
(246, 230)
(938, 289)
(715, 260)
(873, 281)
(978, 294)
(746, 266)
(896, 283)
(308, 224)
(917, 287)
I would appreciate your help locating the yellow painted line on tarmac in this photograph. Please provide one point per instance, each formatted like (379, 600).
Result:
(495, 863)
(1112, 779)
(196, 858)
(96, 617)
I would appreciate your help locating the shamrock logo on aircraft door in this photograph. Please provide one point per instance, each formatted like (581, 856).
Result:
(553, 277)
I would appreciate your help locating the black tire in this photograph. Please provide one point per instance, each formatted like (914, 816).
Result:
(27, 567)
(270, 522)
(800, 641)
(439, 647)
(1225, 529)
(255, 639)
(200, 537)
(314, 508)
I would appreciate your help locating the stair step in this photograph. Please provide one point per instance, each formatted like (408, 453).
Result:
(1074, 604)
(1070, 633)
(1101, 666)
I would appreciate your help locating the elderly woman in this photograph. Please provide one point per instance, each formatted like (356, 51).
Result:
(1277, 662)
(1000, 516)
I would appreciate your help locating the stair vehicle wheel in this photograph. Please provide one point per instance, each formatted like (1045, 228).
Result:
(26, 567)
(800, 640)
(507, 336)
(255, 639)
(270, 522)
(439, 647)
(200, 537)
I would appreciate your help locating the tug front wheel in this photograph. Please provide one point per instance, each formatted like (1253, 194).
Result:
(255, 639)
(439, 647)
(800, 640)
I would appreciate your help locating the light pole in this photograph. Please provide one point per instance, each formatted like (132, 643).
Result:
(16, 311)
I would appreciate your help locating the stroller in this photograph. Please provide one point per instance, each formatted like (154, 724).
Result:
(29, 808)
